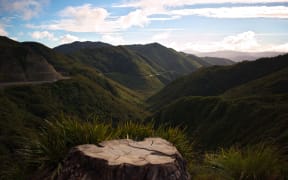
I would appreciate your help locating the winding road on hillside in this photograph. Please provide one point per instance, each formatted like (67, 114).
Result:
(21, 83)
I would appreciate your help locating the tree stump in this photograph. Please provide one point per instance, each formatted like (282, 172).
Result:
(125, 159)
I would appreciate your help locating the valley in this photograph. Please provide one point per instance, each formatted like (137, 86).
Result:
(88, 92)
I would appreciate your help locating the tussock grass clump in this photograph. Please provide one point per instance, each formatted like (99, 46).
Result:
(178, 137)
(48, 148)
(260, 161)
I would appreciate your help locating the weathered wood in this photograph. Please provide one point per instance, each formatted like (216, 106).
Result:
(125, 159)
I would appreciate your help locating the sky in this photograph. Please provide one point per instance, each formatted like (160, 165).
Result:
(185, 25)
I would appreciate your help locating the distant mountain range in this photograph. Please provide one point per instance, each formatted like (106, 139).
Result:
(237, 55)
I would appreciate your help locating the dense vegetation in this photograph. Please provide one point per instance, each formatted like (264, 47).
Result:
(214, 122)
(20, 63)
(229, 122)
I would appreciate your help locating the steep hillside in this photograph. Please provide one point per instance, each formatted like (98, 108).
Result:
(121, 65)
(217, 79)
(166, 59)
(214, 122)
(20, 63)
(70, 67)
(275, 83)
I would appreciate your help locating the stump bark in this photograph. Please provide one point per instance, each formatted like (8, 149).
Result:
(125, 159)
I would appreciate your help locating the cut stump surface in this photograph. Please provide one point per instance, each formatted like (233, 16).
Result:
(125, 159)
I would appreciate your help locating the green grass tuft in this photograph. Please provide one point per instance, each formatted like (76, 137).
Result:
(253, 162)
(48, 148)
(134, 130)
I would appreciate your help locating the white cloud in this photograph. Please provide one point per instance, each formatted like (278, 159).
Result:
(237, 12)
(2, 31)
(68, 38)
(43, 35)
(113, 39)
(134, 18)
(161, 36)
(173, 9)
(164, 18)
(245, 41)
(87, 18)
(84, 18)
(279, 48)
(27, 9)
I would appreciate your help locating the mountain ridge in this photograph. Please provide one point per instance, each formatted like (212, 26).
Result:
(76, 45)
(216, 80)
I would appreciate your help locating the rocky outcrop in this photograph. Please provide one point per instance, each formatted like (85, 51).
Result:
(125, 159)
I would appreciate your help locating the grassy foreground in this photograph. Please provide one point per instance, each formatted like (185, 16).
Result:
(40, 153)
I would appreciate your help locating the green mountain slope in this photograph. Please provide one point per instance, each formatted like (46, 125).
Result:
(121, 65)
(69, 67)
(179, 63)
(217, 79)
(20, 63)
(275, 83)
(166, 59)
